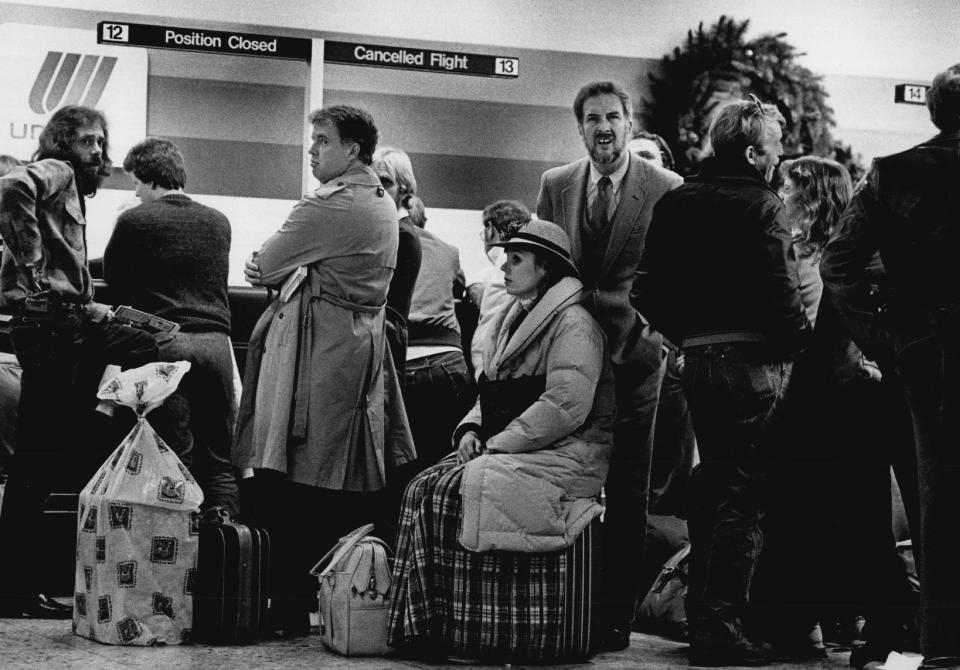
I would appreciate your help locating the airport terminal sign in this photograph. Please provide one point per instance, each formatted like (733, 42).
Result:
(912, 94)
(198, 39)
(407, 58)
(45, 68)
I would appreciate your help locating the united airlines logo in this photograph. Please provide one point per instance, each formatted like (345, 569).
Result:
(70, 79)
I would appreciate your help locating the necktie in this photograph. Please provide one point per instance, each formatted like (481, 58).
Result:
(601, 206)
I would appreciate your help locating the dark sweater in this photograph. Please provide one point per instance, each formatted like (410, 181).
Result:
(170, 257)
(408, 267)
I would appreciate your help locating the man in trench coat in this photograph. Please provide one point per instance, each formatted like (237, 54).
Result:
(321, 417)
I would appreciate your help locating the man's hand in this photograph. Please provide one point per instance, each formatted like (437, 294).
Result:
(98, 312)
(251, 271)
(470, 447)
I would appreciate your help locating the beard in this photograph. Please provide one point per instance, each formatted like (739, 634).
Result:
(89, 176)
(609, 154)
(605, 159)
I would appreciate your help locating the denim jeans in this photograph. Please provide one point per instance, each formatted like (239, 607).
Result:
(930, 370)
(197, 420)
(60, 439)
(439, 390)
(734, 391)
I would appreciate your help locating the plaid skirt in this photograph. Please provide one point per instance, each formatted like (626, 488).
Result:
(481, 605)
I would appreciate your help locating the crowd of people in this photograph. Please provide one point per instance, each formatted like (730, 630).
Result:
(794, 334)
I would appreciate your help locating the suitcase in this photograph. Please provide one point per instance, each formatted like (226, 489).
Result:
(519, 633)
(230, 596)
(582, 588)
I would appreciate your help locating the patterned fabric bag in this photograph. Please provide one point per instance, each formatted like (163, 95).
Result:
(138, 525)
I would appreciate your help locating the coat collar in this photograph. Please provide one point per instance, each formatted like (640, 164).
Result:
(561, 295)
(712, 169)
(357, 175)
(633, 194)
(945, 138)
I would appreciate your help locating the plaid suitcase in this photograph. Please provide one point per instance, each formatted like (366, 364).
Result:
(498, 623)
(233, 568)
(583, 583)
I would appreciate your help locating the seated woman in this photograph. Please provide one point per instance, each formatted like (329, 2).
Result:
(532, 456)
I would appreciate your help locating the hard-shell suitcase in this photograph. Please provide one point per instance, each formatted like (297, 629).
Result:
(230, 596)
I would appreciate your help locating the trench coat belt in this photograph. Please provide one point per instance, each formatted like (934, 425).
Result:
(302, 392)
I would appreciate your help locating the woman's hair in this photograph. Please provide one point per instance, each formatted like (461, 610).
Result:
(414, 205)
(397, 163)
(822, 189)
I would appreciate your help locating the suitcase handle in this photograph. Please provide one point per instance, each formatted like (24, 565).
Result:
(217, 514)
(332, 557)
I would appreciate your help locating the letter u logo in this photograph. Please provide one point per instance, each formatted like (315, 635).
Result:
(68, 79)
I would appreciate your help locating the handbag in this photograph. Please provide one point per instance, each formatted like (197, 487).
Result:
(503, 400)
(355, 578)
(662, 610)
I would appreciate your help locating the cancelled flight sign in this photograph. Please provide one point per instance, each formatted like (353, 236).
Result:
(199, 39)
(407, 58)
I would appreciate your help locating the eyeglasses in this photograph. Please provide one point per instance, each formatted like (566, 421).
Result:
(759, 105)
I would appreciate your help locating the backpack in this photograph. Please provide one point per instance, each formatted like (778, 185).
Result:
(661, 611)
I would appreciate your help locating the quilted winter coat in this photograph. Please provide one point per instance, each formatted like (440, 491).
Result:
(538, 482)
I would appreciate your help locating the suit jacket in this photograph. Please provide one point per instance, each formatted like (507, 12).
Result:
(562, 200)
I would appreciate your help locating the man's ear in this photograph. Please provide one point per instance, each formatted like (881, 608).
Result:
(354, 150)
(750, 153)
(580, 129)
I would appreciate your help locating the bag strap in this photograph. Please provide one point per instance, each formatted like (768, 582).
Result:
(335, 555)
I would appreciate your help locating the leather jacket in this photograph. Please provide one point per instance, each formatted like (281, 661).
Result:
(719, 261)
(43, 227)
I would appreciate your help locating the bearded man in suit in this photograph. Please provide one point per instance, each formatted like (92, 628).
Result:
(604, 203)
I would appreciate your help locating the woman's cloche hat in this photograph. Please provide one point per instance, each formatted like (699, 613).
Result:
(542, 235)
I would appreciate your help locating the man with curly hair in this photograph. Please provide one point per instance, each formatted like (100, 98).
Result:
(62, 339)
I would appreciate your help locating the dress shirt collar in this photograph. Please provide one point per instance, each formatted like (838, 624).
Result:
(616, 178)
